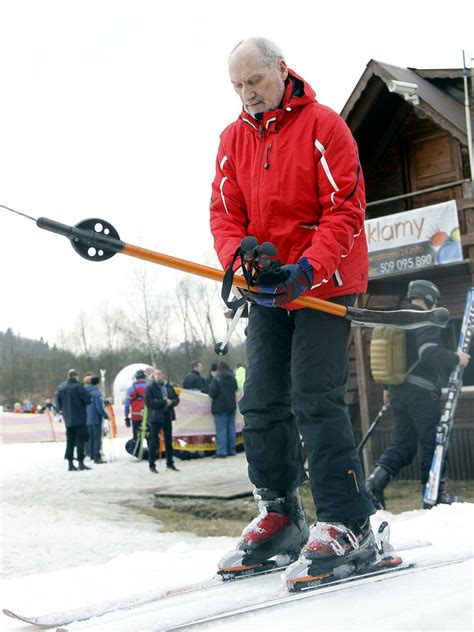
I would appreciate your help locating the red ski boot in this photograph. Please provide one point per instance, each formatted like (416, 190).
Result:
(332, 544)
(336, 551)
(273, 539)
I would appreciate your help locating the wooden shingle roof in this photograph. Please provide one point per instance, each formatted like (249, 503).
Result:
(436, 104)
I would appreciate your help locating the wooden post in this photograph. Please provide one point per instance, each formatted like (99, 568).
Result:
(363, 377)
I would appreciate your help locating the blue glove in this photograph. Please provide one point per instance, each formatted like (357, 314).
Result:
(299, 279)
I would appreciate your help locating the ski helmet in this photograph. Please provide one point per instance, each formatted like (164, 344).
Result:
(425, 290)
(140, 374)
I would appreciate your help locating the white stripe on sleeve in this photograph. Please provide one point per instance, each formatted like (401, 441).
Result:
(221, 189)
(320, 147)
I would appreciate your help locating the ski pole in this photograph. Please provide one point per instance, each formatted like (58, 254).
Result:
(106, 406)
(97, 240)
(222, 348)
(372, 426)
(143, 433)
(50, 419)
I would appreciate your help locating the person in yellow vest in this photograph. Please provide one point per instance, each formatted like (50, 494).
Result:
(240, 375)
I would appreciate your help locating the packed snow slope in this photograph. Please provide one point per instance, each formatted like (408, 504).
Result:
(68, 543)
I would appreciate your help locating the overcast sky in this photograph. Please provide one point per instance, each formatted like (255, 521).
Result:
(112, 109)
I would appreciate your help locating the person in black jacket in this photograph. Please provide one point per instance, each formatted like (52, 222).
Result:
(160, 399)
(71, 400)
(222, 390)
(194, 380)
(416, 402)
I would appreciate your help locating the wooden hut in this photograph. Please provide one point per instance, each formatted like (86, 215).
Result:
(411, 129)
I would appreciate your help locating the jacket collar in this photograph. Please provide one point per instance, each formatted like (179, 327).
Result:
(298, 93)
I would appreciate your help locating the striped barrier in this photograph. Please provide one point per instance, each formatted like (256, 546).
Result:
(193, 430)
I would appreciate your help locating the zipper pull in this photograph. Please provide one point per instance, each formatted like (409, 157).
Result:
(266, 164)
(354, 478)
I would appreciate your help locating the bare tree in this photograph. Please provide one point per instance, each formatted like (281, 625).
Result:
(204, 308)
(197, 303)
(111, 322)
(83, 334)
(149, 323)
(184, 300)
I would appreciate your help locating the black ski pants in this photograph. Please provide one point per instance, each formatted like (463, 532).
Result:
(76, 437)
(417, 412)
(136, 428)
(297, 371)
(154, 439)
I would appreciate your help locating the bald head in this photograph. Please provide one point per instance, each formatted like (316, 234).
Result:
(270, 51)
(258, 72)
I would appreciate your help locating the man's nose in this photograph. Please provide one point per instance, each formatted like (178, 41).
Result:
(248, 94)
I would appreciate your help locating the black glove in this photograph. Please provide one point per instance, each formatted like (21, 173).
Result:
(299, 278)
(128, 423)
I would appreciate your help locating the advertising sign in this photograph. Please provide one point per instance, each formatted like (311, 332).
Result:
(422, 238)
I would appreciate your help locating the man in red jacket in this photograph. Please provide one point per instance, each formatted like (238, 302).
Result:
(288, 172)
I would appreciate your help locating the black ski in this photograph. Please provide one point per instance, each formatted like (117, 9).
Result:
(445, 424)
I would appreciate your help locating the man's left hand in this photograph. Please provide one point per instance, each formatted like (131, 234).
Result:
(299, 279)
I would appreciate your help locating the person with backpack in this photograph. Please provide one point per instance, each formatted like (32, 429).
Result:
(222, 390)
(135, 403)
(414, 397)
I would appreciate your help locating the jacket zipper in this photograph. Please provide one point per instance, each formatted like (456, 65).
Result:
(266, 164)
(258, 173)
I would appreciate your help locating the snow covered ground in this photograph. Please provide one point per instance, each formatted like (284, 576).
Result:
(67, 542)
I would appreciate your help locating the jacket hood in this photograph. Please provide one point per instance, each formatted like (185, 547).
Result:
(298, 93)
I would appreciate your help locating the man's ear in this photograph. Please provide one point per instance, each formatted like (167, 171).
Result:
(283, 68)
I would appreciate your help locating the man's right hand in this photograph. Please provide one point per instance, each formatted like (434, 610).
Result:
(299, 279)
(386, 396)
(463, 358)
(128, 423)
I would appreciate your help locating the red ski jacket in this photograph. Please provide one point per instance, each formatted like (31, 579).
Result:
(294, 178)
(135, 399)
